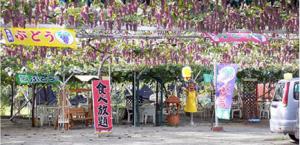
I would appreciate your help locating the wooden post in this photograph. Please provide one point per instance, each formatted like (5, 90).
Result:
(33, 106)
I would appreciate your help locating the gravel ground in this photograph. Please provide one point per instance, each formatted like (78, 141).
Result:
(199, 134)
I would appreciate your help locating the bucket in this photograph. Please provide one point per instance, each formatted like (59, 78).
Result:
(37, 122)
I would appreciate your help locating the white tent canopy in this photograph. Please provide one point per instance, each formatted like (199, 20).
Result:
(86, 78)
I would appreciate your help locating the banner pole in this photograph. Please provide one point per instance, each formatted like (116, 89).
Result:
(216, 127)
(109, 73)
(215, 84)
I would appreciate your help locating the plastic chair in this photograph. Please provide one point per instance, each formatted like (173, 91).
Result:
(264, 110)
(46, 114)
(148, 110)
(237, 107)
(41, 114)
(237, 110)
(118, 113)
(52, 112)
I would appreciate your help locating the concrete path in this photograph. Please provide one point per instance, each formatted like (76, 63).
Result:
(199, 134)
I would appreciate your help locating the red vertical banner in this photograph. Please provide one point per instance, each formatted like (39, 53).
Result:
(102, 106)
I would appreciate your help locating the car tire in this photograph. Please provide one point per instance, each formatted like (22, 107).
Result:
(293, 138)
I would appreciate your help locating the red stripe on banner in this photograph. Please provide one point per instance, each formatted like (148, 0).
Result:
(102, 106)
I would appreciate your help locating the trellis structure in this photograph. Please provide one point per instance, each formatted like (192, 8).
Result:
(179, 28)
(147, 32)
(249, 94)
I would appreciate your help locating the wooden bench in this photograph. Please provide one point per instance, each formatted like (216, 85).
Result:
(77, 114)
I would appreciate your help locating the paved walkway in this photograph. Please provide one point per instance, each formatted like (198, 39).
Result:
(199, 134)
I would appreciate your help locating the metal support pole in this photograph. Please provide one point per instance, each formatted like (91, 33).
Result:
(12, 100)
(215, 85)
(133, 95)
(134, 100)
(192, 118)
(269, 88)
(212, 112)
(137, 104)
(216, 127)
(157, 106)
(161, 104)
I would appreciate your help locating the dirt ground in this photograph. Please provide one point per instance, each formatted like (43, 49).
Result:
(22, 133)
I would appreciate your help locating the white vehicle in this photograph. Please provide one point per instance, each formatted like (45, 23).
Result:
(285, 108)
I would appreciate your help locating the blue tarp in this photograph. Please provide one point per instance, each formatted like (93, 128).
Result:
(51, 96)
(145, 92)
(78, 99)
(46, 96)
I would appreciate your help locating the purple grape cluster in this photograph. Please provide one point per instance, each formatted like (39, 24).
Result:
(177, 15)
(64, 36)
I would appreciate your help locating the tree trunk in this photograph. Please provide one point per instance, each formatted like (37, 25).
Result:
(100, 67)
(33, 106)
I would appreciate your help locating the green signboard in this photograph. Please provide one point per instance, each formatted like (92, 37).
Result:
(26, 79)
